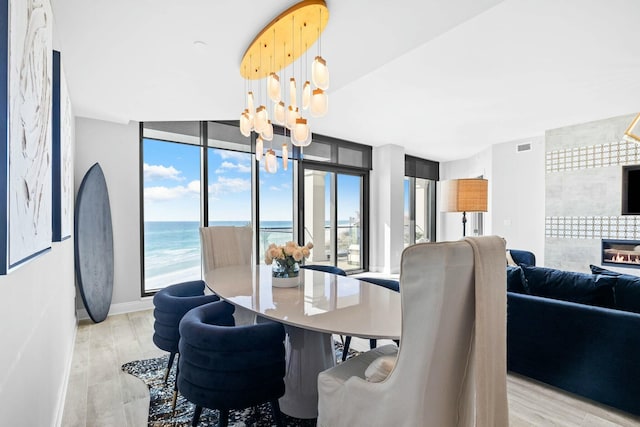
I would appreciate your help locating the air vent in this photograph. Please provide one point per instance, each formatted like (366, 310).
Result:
(524, 147)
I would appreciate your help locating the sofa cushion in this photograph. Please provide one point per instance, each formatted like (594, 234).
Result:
(626, 291)
(522, 257)
(569, 286)
(515, 280)
(510, 261)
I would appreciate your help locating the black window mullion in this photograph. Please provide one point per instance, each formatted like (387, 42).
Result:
(204, 175)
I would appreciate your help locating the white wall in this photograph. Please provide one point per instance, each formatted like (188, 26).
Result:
(516, 208)
(449, 224)
(518, 195)
(386, 240)
(116, 147)
(37, 330)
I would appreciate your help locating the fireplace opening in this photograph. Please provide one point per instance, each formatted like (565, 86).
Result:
(621, 252)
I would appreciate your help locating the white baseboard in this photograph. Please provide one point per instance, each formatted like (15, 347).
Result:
(144, 303)
(62, 395)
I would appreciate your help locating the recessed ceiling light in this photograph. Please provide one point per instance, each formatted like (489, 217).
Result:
(199, 44)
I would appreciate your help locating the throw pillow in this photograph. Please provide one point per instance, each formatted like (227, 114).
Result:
(515, 280)
(626, 291)
(570, 286)
(380, 368)
(510, 260)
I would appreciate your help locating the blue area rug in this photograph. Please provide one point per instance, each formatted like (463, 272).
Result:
(151, 372)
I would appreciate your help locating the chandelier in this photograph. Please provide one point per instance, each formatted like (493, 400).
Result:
(269, 97)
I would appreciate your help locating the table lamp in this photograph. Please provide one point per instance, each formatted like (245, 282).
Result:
(464, 195)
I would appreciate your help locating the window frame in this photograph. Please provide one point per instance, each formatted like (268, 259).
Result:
(299, 164)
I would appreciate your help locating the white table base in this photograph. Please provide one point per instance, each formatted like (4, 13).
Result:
(308, 354)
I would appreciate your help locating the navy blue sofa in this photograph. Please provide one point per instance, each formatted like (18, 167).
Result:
(590, 348)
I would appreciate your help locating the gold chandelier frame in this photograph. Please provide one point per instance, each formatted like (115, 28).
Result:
(266, 55)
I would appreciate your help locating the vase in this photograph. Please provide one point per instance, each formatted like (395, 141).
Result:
(285, 273)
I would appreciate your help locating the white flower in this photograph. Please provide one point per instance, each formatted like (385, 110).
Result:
(289, 250)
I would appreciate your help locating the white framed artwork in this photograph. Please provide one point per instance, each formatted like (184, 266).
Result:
(29, 130)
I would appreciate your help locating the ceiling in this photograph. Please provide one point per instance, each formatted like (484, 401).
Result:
(443, 78)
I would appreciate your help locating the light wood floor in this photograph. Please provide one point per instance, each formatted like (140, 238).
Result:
(100, 394)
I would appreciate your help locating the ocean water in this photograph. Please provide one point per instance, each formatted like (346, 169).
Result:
(172, 248)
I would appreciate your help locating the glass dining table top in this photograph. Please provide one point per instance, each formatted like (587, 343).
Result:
(322, 302)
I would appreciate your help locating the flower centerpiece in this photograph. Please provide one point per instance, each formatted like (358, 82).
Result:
(286, 258)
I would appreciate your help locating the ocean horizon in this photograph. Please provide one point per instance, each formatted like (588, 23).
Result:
(172, 248)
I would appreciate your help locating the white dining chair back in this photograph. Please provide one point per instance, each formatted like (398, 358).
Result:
(224, 246)
(441, 371)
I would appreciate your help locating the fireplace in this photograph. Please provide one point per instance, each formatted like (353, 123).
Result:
(625, 253)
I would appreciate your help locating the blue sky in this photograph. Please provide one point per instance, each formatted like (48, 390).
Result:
(172, 186)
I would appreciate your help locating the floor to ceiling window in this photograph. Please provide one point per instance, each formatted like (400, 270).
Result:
(189, 180)
(196, 174)
(171, 198)
(333, 200)
(420, 200)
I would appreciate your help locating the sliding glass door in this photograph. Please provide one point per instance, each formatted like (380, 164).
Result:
(333, 202)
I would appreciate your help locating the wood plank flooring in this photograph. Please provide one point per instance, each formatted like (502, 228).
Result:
(100, 394)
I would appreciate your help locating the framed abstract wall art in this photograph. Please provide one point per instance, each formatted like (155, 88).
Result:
(62, 140)
(4, 125)
(29, 154)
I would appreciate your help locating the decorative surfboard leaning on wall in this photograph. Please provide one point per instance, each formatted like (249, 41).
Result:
(93, 238)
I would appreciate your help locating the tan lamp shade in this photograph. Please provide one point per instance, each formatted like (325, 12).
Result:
(464, 195)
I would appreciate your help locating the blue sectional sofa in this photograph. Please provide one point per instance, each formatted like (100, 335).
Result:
(575, 331)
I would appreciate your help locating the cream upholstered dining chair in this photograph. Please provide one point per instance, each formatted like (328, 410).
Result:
(226, 246)
(450, 369)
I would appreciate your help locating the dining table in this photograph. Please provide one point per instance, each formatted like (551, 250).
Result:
(312, 309)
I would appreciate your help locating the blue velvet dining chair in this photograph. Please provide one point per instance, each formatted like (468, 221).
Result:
(325, 268)
(226, 367)
(171, 304)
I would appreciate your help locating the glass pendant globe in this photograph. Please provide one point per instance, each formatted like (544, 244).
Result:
(306, 95)
(292, 92)
(279, 113)
(320, 73)
(270, 162)
(299, 132)
(245, 126)
(319, 103)
(291, 116)
(260, 120)
(267, 132)
(273, 87)
(285, 156)
(250, 105)
(259, 148)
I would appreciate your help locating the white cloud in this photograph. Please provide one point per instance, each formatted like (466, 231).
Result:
(274, 188)
(229, 185)
(161, 193)
(233, 166)
(236, 155)
(161, 172)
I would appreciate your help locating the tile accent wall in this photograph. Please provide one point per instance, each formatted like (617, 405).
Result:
(593, 156)
(583, 186)
(593, 227)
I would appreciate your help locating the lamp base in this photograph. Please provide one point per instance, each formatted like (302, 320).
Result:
(464, 224)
